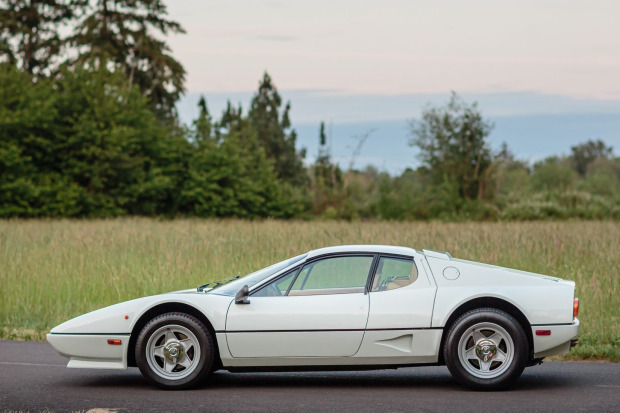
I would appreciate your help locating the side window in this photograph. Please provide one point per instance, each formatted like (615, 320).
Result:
(338, 275)
(277, 288)
(394, 273)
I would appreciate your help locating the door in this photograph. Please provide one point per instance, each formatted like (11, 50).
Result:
(318, 310)
(401, 296)
(401, 307)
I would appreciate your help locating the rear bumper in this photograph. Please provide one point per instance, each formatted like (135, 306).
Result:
(91, 351)
(559, 341)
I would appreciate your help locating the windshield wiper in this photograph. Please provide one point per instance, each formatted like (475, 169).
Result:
(217, 283)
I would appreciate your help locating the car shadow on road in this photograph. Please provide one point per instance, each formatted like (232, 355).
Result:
(412, 378)
(378, 379)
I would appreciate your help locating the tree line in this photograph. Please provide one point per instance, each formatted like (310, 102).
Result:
(88, 128)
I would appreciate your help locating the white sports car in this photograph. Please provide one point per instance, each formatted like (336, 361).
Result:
(340, 308)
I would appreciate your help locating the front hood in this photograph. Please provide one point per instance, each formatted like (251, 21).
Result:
(121, 318)
(114, 319)
(117, 318)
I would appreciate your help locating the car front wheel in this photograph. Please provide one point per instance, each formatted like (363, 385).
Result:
(175, 351)
(486, 349)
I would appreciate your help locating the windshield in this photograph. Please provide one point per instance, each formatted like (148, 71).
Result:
(254, 278)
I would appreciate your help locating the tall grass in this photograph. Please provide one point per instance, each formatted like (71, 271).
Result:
(52, 270)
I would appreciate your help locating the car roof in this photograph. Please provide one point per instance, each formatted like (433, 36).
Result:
(380, 249)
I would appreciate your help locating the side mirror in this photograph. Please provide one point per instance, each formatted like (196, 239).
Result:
(242, 295)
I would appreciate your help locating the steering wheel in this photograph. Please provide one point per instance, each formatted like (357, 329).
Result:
(384, 283)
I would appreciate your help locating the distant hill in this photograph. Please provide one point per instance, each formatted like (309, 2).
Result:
(530, 137)
(533, 125)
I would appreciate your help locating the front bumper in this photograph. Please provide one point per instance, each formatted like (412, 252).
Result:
(91, 351)
(559, 341)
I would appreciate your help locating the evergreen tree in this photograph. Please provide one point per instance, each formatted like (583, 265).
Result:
(274, 133)
(32, 183)
(327, 182)
(115, 147)
(323, 158)
(119, 35)
(231, 175)
(327, 173)
(29, 31)
(84, 145)
(202, 125)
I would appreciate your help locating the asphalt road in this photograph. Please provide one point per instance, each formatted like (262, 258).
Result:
(33, 377)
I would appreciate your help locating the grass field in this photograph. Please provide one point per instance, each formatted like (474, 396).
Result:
(52, 270)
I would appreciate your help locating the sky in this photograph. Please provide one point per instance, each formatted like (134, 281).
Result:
(358, 62)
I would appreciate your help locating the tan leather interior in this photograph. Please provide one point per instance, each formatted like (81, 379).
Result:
(392, 285)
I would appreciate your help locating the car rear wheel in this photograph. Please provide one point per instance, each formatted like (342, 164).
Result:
(486, 349)
(175, 351)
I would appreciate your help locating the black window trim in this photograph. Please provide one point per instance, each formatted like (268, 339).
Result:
(303, 284)
(383, 255)
(375, 259)
(298, 271)
(278, 278)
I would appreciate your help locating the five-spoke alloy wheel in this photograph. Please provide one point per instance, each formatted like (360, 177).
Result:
(486, 349)
(175, 350)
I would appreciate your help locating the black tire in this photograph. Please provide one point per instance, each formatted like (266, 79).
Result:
(493, 349)
(175, 351)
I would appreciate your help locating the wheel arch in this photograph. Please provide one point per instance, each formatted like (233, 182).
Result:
(488, 302)
(162, 309)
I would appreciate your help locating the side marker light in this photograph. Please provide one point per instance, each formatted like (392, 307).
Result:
(115, 342)
(543, 332)
(575, 307)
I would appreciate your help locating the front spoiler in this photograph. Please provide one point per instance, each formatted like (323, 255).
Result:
(91, 351)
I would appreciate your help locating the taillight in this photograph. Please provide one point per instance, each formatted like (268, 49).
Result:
(575, 307)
